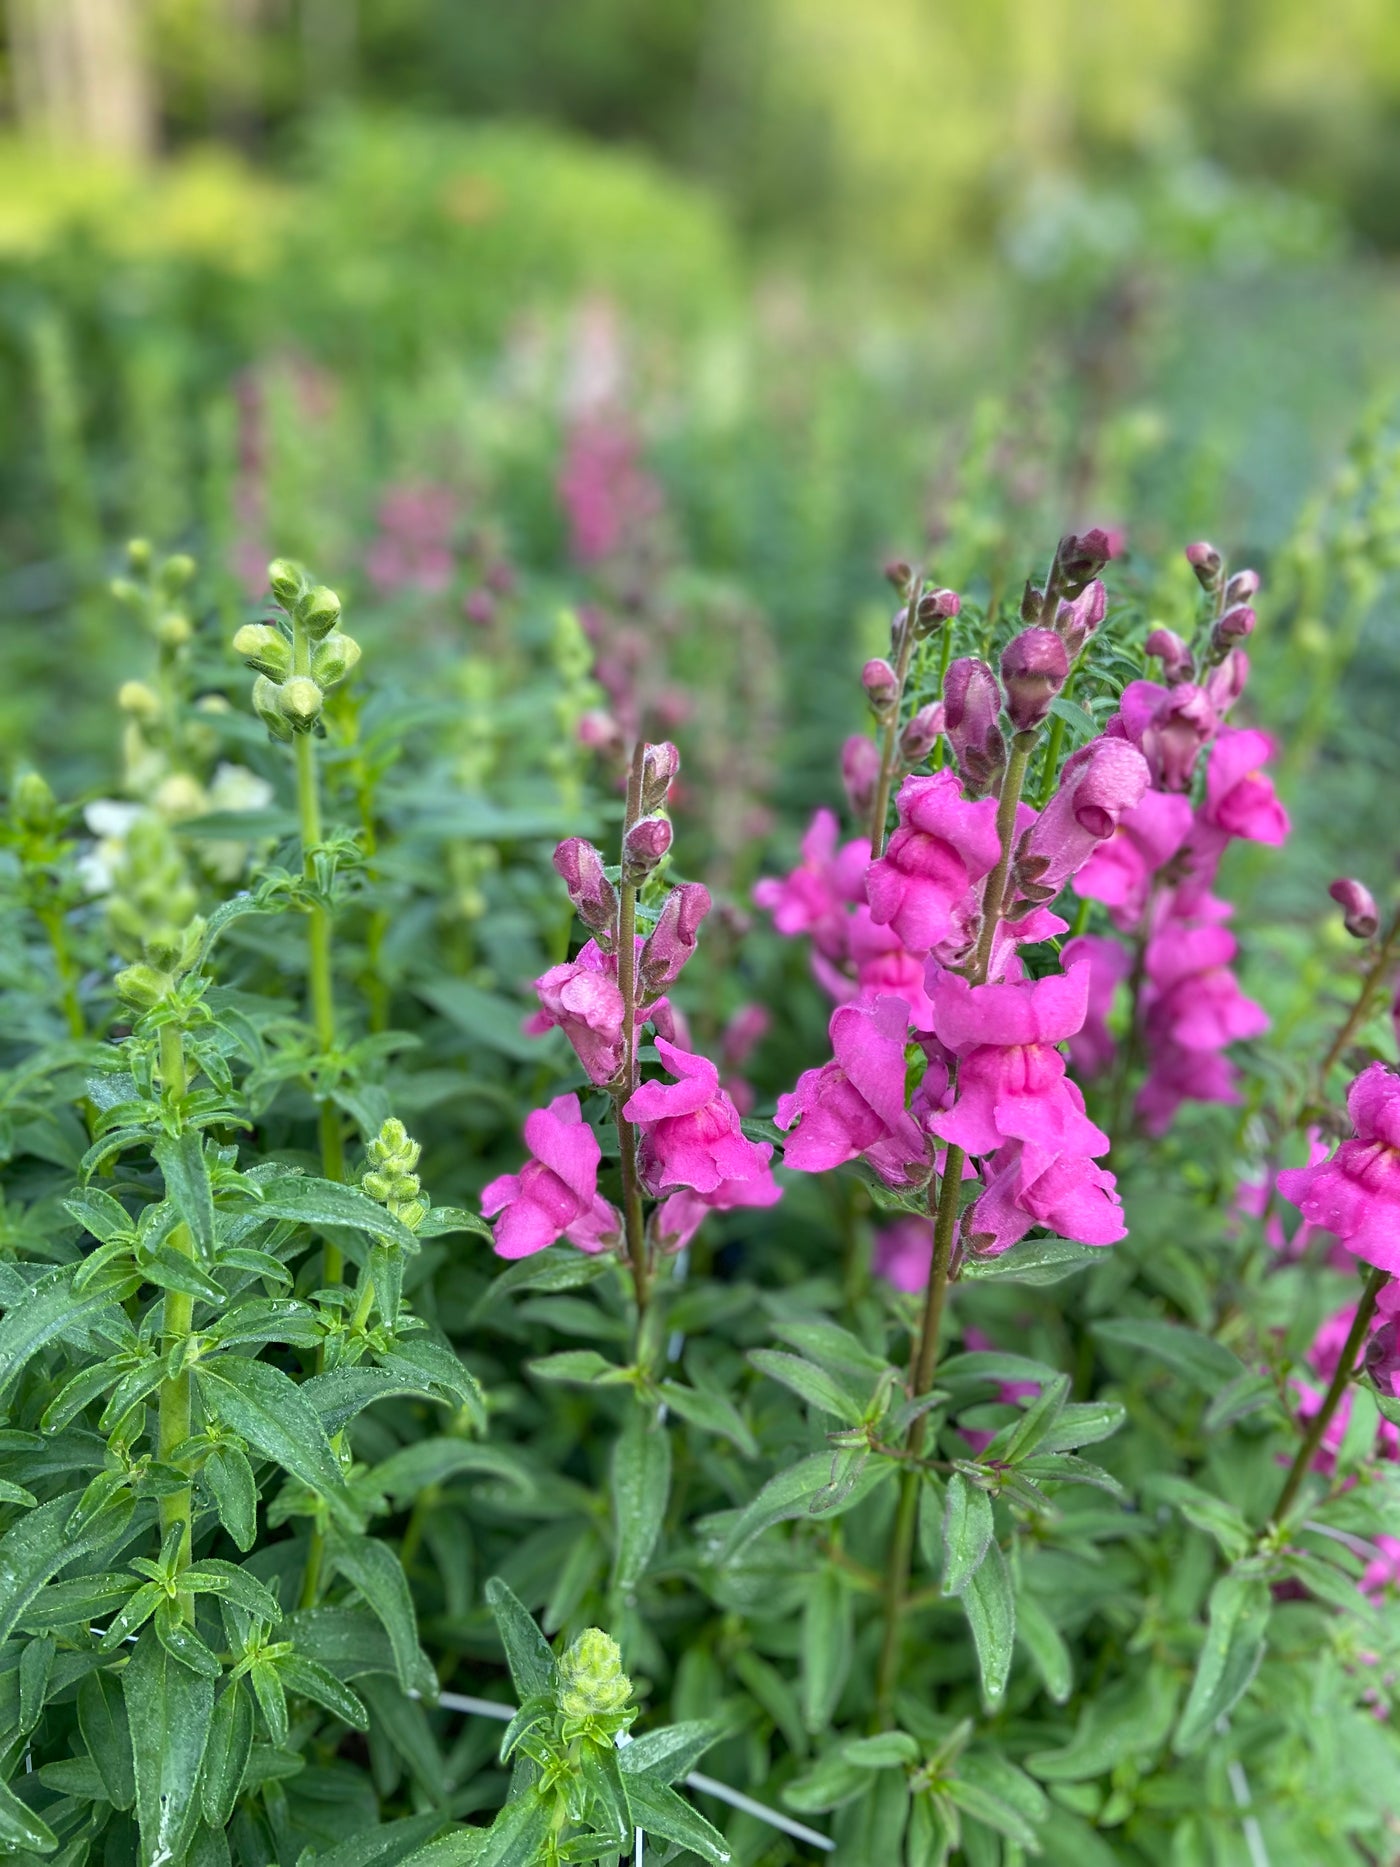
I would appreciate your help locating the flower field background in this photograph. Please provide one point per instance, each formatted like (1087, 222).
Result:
(699, 1104)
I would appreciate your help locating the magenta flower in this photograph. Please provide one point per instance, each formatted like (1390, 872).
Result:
(582, 999)
(882, 966)
(1012, 1084)
(816, 897)
(1168, 725)
(1075, 622)
(1072, 1195)
(1121, 869)
(1193, 999)
(1356, 1193)
(904, 1253)
(1175, 656)
(1240, 799)
(942, 846)
(1178, 1075)
(679, 1217)
(1100, 783)
(860, 772)
(1255, 1198)
(854, 1105)
(1381, 1575)
(690, 1133)
(580, 867)
(1091, 1048)
(555, 1194)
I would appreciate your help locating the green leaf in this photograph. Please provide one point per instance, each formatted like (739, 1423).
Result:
(828, 1635)
(186, 1174)
(641, 1485)
(664, 1816)
(711, 1412)
(442, 1220)
(226, 1754)
(447, 1377)
(102, 1721)
(578, 1367)
(386, 1275)
(1083, 1424)
(229, 1477)
(377, 1573)
(405, 1474)
(49, 1308)
(990, 1608)
(604, 1779)
(265, 1407)
(559, 1267)
(40, 1544)
(667, 1754)
(311, 1201)
(169, 1709)
(990, 1809)
(792, 1493)
(340, 1394)
(1022, 1438)
(885, 1751)
(1045, 1646)
(516, 1837)
(181, 1642)
(312, 1680)
(831, 1346)
(1204, 1362)
(808, 1382)
(967, 1532)
(213, 1576)
(1234, 1646)
(532, 1665)
(20, 1827)
(388, 1845)
(1205, 1511)
(1033, 1261)
(484, 1016)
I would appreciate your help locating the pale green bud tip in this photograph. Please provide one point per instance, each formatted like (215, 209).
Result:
(32, 802)
(286, 579)
(334, 658)
(319, 611)
(300, 700)
(138, 554)
(393, 1135)
(264, 648)
(591, 1680)
(141, 987)
(174, 629)
(139, 700)
(267, 704)
(177, 571)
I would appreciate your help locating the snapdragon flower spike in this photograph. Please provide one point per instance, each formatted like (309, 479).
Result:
(817, 896)
(555, 1194)
(1079, 558)
(971, 709)
(1099, 784)
(1012, 1084)
(1034, 667)
(1193, 1009)
(943, 845)
(672, 941)
(854, 1105)
(1166, 646)
(1356, 1192)
(1360, 915)
(643, 847)
(580, 867)
(690, 1132)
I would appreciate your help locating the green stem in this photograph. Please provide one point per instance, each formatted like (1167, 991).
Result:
(1322, 1419)
(173, 1417)
(880, 810)
(1050, 775)
(627, 985)
(1370, 980)
(52, 919)
(320, 975)
(994, 896)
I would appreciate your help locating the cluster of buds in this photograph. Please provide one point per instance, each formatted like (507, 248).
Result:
(151, 913)
(1229, 596)
(390, 1178)
(648, 839)
(298, 657)
(153, 590)
(592, 1684)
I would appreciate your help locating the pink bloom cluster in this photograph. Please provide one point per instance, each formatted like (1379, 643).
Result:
(1355, 1192)
(607, 494)
(412, 549)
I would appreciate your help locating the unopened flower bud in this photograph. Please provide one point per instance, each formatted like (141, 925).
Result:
(1360, 915)
(595, 899)
(173, 629)
(672, 940)
(334, 658)
(1207, 563)
(1382, 1359)
(32, 803)
(860, 772)
(971, 707)
(921, 733)
(644, 846)
(139, 700)
(267, 704)
(130, 595)
(1242, 586)
(1032, 602)
(592, 1683)
(300, 700)
(881, 685)
(286, 580)
(1081, 556)
(138, 555)
(319, 611)
(1076, 621)
(660, 763)
(1168, 648)
(898, 575)
(1034, 667)
(141, 986)
(1235, 624)
(177, 572)
(264, 648)
(935, 607)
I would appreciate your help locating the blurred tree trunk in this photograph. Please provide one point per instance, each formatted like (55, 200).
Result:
(81, 78)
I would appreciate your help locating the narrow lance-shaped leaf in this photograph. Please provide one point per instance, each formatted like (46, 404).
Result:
(378, 1574)
(641, 1484)
(532, 1665)
(990, 1608)
(169, 1709)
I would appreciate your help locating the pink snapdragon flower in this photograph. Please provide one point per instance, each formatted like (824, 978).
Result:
(1168, 725)
(942, 846)
(1240, 800)
(883, 966)
(413, 548)
(690, 1132)
(904, 1253)
(1121, 870)
(854, 1105)
(817, 896)
(1091, 1048)
(555, 1194)
(582, 998)
(679, 1217)
(1255, 1199)
(1099, 785)
(1012, 1084)
(1072, 1195)
(1192, 998)
(1356, 1193)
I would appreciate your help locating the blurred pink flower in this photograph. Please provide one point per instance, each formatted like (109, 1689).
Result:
(1356, 1193)
(555, 1194)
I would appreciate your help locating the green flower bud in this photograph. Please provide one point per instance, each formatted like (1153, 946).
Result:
(413, 1214)
(391, 1138)
(141, 986)
(592, 1683)
(334, 658)
(138, 555)
(174, 629)
(176, 572)
(300, 700)
(139, 700)
(267, 704)
(319, 611)
(378, 1187)
(127, 593)
(264, 648)
(32, 802)
(286, 579)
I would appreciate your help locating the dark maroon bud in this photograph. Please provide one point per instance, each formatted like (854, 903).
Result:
(660, 763)
(1235, 624)
(1360, 915)
(971, 707)
(860, 772)
(1034, 667)
(643, 847)
(920, 735)
(1207, 563)
(1382, 1359)
(935, 607)
(595, 899)
(1174, 655)
(899, 576)
(1032, 602)
(1081, 556)
(672, 940)
(881, 684)
(1242, 586)
(1075, 622)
